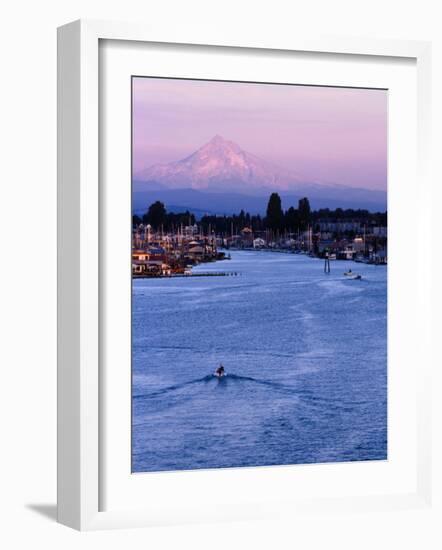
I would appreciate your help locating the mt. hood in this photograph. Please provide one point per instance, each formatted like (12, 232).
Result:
(221, 165)
(222, 175)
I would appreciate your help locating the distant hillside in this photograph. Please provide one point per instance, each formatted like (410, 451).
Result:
(200, 203)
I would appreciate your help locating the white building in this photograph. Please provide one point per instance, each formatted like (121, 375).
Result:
(258, 243)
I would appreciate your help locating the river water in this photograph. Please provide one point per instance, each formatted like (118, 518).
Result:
(305, 354)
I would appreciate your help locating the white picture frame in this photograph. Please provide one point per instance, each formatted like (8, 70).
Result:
(79, 275)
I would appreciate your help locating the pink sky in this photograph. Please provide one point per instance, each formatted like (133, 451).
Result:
(332, 135)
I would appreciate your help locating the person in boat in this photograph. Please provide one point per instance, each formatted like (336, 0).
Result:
(220, 370)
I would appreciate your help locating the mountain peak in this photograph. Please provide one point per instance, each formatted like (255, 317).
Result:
(217, 139)
(218, 143)
(219, 164)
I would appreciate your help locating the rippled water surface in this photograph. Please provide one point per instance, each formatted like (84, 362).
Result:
(305, 355)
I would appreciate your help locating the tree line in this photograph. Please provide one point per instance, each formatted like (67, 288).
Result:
(157, 216)
(276, 219)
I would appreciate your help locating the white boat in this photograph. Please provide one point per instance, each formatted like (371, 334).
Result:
(352, 275)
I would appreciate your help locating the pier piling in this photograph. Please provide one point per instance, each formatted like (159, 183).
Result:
(326, 264)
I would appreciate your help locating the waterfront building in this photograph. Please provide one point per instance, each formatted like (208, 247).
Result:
(258, 243)
(340, 226)
(347, 253)
(247, 237)
(358, 244)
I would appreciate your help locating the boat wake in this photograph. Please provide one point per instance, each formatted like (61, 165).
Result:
(225, 380)
(175, 387)
(262, 382)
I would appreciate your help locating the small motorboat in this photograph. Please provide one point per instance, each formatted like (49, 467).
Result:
(220, 372)
(352, 275)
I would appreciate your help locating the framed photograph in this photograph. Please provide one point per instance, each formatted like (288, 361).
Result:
(240, 267)
(241, 326)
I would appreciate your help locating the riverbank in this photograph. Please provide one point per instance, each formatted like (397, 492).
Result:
(309, 255)
(223, 257)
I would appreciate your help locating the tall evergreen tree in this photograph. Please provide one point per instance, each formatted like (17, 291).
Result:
(275, 215)
(291, 219)
(304, 212)
(156, 215)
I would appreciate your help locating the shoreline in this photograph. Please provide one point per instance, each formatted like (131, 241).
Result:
(237, 273)
(313, 257)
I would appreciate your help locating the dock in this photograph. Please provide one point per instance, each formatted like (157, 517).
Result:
(190, 275)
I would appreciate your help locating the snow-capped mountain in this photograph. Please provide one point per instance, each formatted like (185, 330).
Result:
(220, 165)
(221, 173)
